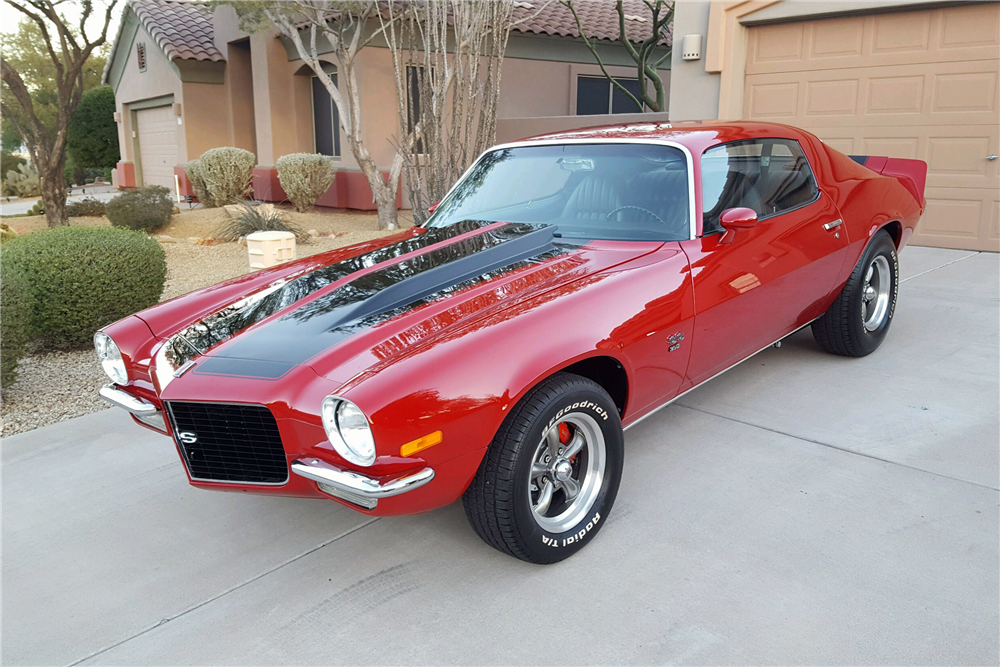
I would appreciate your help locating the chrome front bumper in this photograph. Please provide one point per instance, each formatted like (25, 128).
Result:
(144, 411)
(355, 487)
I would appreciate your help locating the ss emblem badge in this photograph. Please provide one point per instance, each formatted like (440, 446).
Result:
(187, 437)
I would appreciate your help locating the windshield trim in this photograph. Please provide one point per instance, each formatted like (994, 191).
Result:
(689, 158)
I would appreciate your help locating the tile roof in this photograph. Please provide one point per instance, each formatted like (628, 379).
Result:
(599, 19)
(182, 29)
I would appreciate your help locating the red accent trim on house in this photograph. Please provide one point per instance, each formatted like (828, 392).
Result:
(126, 174)
(184, 183)
(350, 189)
(266, 186)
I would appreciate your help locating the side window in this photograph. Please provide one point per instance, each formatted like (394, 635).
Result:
(788, 179)
(729, 177)
(769, 176)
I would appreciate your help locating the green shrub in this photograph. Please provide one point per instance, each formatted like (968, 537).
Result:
(257, 217)
(82, 278)
(15, 319)
(38, 208)
(88, 206)
(305, 177)
(92, 138)
(143, 209)
(196, 175)
(226, 173)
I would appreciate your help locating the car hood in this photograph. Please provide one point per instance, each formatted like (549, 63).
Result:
(326, 317)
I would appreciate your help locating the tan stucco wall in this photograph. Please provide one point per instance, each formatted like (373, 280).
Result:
(158, 80)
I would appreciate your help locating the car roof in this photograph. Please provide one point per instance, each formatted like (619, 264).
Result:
(696, 136)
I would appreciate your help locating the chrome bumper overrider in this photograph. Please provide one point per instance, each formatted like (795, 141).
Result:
(144, 411)
(355, 487)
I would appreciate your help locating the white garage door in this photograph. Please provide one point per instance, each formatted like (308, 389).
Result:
(157, 130)
(919, 84)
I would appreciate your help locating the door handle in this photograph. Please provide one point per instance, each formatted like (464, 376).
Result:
(833, 225)
(991, 158)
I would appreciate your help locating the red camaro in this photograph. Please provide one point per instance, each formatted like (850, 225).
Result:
(567, 286)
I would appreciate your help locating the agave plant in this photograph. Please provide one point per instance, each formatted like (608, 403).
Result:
(250, 217)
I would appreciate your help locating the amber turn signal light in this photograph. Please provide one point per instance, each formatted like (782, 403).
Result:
(421, 444)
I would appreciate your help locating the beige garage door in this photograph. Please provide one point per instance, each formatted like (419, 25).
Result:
(157, 130)
(920, 84)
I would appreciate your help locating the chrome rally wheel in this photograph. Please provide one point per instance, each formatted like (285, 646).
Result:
(567, 472)
(550, 476)
(875, 293)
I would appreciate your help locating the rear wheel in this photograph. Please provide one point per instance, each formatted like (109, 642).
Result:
(551, 474)
(858, 320)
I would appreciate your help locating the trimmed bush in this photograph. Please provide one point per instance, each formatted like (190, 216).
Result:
(226, 174)
(305, 177)
(82, 278)
(257, 217)
(196, 175)
(144, 209)
(87, 207)
(15, 318)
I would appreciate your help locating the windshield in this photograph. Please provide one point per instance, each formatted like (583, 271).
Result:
(626, 192)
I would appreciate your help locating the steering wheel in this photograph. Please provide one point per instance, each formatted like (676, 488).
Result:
(638, 208)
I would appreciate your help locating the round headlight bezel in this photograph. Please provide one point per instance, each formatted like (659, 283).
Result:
(348, 430)
(110, 357)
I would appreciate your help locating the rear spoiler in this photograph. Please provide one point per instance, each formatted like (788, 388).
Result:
(912, 174)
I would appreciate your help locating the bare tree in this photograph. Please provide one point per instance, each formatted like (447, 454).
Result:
(649, 55)
(69, 47)
(447, 57)
(348, 27)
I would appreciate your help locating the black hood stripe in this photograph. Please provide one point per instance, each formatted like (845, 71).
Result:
(317, 325)
(222, 325)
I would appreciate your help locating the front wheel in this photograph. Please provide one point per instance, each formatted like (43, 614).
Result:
(551, 474)
(858, 320)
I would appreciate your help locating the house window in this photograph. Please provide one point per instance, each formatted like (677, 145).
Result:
(326, 119)
(414, 81)
(598, 95)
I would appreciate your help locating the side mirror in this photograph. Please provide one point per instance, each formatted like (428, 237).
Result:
(734, 219)
(433, 207)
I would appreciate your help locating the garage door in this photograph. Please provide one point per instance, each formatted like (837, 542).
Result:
(157, 130)
(919, 84)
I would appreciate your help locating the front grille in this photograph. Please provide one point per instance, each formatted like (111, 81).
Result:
(228, 442)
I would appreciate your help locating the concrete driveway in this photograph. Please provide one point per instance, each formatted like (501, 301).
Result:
(802, 508)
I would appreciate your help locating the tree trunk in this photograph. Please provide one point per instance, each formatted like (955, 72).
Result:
(383, 193)
(52, 185)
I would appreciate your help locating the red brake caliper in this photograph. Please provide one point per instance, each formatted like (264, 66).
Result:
(565, 436)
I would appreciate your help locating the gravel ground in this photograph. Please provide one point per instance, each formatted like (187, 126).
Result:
(55, 386)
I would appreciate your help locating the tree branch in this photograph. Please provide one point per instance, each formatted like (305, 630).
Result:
(600, 63)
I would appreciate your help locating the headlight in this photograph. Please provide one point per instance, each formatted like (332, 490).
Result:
(110, 357)
(348, 430)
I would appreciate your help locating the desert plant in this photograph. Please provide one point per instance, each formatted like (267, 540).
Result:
(305, 177)
(38, 208)
(6, 233)
(143, 209)
(257, 217)
(82, 278)
(196, 175)
(23, 180)
(86, 207)
(226, 173)
(15, 320)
